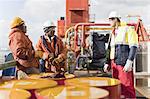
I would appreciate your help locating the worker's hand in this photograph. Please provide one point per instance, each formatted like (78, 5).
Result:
(50, 60)
(128, 66)
(56, 62)
(50, 55)
(106, 68)
(38, 54)
(45, 56)
(21, 75)
(47, 65)
(53, 69)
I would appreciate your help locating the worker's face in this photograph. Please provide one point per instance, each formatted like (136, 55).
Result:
(23, 27)
(113, 22)
(51, 32)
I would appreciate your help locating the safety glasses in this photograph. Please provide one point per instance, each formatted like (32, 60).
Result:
(111, 19)
(49, 29)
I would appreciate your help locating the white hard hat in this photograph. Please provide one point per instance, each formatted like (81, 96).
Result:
(48, 24)
(114, 14)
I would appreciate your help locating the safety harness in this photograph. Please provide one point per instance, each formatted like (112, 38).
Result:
(44, 42)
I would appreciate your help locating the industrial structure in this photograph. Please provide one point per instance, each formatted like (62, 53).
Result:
(79, 35)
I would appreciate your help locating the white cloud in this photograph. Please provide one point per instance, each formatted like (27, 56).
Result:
(35, 12)
(38, 11)
(102, 8)
(4, 33)
(2, 21)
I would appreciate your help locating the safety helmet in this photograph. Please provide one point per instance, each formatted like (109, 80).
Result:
(17, 21)
(48, 24)
(114, 14)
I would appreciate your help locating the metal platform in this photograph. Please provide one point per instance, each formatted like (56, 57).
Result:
(142, 85)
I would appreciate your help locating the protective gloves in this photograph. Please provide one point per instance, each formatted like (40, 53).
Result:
(128, 66)
(43, 55)
(106, 68)
(21, 75)
(38, 54)
(57, 60)
(50, 57)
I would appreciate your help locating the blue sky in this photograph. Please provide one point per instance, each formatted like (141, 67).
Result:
(35, 12)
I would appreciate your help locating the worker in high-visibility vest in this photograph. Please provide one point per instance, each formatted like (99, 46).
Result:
(123, 48)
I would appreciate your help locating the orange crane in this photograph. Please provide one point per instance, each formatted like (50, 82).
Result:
(140, 29)
(142, 33)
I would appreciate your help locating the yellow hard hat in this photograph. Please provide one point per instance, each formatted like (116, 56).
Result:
(16, 22)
